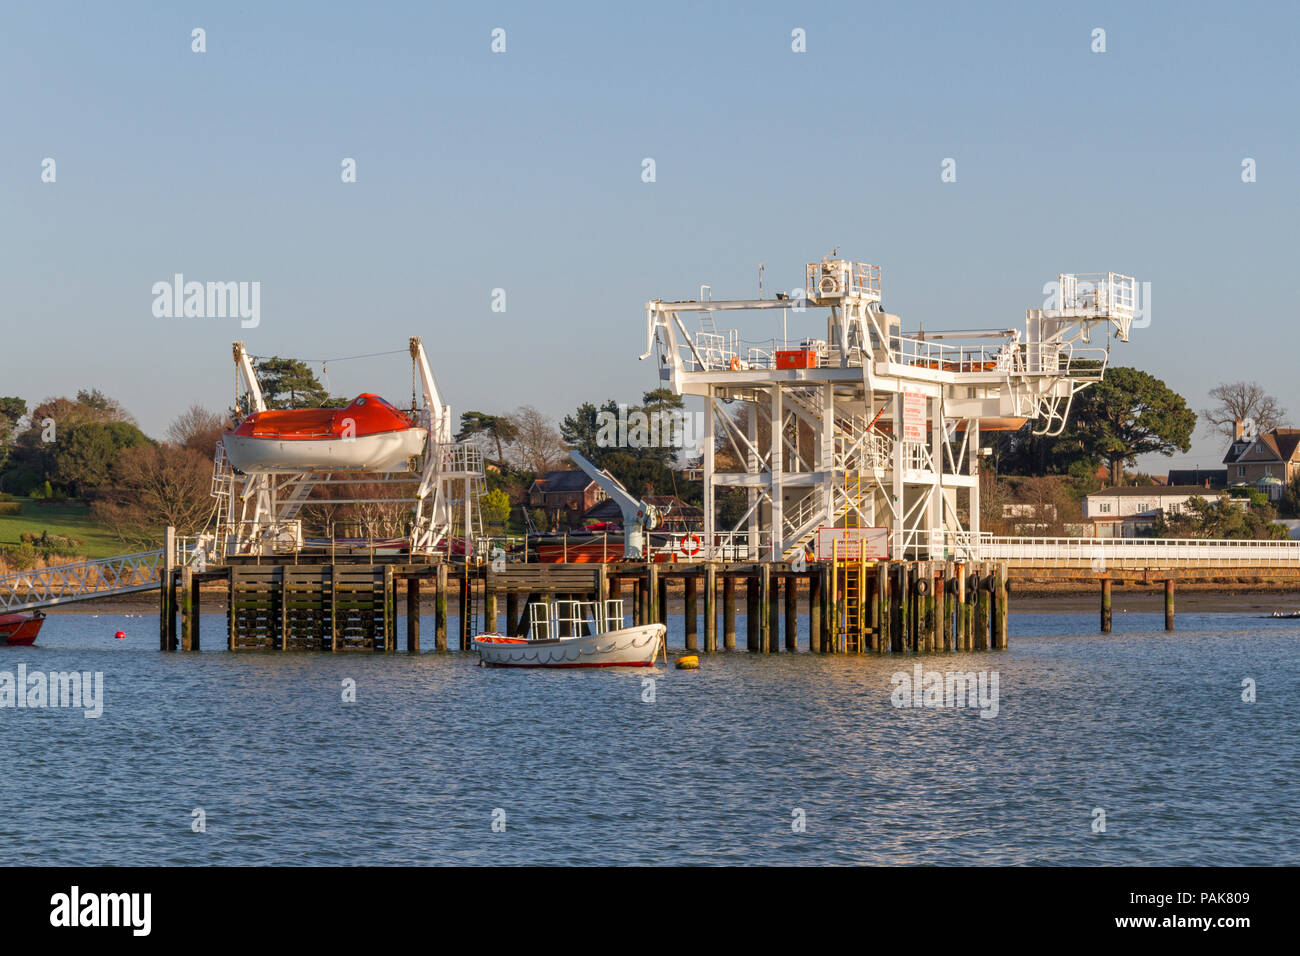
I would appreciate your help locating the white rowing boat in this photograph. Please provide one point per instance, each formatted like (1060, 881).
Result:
(575, 634)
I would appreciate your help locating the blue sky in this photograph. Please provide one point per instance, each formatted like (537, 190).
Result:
(522, 171)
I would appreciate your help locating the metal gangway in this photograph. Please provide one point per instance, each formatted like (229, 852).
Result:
(84, 581)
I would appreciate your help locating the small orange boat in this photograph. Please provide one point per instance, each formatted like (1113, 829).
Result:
(20, 630)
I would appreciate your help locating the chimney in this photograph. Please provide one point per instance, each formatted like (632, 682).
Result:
(1237, 430)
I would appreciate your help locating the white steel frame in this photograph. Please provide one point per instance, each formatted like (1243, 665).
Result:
(259, 513)
(861, 369)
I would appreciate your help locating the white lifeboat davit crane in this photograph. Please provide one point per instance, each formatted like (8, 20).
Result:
(639, 516)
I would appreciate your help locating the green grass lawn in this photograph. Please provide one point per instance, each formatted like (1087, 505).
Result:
(60, 517)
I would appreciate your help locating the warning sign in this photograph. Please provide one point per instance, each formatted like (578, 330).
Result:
(914, 416)
(869, 543)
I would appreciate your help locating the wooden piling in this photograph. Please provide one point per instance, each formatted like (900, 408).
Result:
(897, 585)
(166, 609)
(963, 617)
(792, 613)
(729, 613)
(1169, 605)
(490, 610)
(774, 613)
(390, 609)
(189, 621)
(1001, 605)
(710, 608)
(412, 615)
(691, 612)
(945, 598)
(765, 608)
(1105, 605)
(884, 614)
(440, 610)
(925, 609)
(982, 594)
(335, 636)
(466, 607)
(166, 593)
(815, 611)
(512, 614)
(662, 600)
(752, 628)
(649, 605)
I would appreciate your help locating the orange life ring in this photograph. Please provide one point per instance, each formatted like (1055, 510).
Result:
(691, 552)
(735, 363)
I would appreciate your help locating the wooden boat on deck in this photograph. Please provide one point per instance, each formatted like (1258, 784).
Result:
(20, 630)
(575, 634)
(367, 435)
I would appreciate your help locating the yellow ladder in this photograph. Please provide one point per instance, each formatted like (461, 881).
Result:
(849, 574)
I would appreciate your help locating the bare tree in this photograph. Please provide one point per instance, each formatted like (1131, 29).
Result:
(157, 486)
(198, 429)
(1242, 401)
(538, 446)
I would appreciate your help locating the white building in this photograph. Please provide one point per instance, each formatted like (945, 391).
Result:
(1127, 512)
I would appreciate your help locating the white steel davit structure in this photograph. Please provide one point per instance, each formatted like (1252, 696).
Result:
(851, 423)
(267, 468)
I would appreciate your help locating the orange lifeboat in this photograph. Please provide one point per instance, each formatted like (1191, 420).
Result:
(368, 435)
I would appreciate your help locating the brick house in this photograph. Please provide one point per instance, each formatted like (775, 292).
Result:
(1266, 462)
(568, 493)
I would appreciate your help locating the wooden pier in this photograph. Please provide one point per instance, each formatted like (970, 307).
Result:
(862, 607)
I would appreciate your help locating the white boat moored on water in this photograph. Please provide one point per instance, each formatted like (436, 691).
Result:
(575, 634)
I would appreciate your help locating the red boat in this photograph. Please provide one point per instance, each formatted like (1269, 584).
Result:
(20, 629)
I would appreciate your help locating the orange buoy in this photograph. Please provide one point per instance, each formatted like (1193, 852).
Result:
(120, 634)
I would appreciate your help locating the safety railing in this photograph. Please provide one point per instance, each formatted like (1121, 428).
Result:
(836, 277)
(1096, 293)
(83, 580)
(1123, 553)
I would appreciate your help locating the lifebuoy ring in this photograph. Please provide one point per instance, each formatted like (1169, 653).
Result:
(691, 552)
(735, 363)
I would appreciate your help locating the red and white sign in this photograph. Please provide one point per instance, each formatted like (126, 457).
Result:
(869, 543)
(914, 417)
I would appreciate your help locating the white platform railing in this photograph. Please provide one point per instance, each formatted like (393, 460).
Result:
(1122, 553)
(84, 580)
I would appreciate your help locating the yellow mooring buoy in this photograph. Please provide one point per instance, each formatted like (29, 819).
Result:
(688, 663)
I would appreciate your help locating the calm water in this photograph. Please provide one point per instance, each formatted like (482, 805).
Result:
(1149, 727)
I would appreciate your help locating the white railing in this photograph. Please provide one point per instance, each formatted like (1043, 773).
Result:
(737, 546)
(84, 580)
(1098, 293)
(834, 277)
(717, 349)
(1121, 553)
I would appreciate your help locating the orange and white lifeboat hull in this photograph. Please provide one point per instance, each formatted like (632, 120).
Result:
(367, 435)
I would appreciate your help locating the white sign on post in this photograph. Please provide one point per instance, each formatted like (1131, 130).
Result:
(914, 417)
(851, 543)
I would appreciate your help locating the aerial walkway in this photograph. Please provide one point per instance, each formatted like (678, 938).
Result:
(84, 581)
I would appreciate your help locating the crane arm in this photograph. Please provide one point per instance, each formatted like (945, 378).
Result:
(256, 403)
(634, 510)
(439, 414)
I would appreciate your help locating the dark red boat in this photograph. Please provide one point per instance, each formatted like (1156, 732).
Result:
(20, 629)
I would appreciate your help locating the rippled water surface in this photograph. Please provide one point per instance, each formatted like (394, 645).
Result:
(1147, 726)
